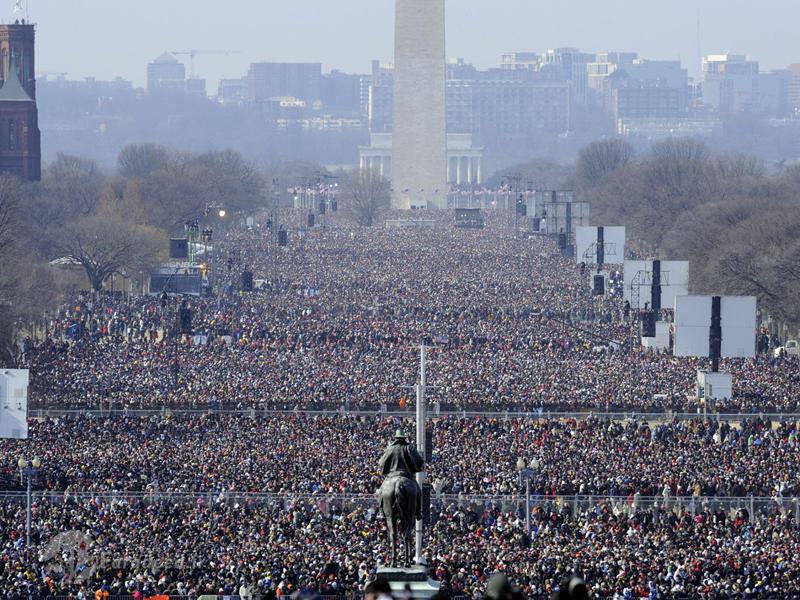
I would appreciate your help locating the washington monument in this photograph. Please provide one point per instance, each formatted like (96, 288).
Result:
(419, 137)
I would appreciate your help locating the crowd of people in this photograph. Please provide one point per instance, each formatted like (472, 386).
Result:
(275, 499)
(211, 504)
(298, 453)
(340, 314)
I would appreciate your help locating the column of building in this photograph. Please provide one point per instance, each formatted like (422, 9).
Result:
(466, 171)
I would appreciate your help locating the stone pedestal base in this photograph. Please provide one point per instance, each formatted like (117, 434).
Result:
(416, 578)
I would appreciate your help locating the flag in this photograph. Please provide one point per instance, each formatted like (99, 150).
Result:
(18, 6)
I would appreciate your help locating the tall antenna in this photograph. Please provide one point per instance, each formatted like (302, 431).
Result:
(699, 52)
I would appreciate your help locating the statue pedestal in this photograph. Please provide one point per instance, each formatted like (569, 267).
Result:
(415, 577)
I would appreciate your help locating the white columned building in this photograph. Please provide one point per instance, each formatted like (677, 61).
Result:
(464, 161)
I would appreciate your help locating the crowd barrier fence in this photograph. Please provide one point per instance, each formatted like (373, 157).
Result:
(336, 503)
(409, 412)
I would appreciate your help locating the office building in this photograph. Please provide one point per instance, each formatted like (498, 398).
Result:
(733, 83)
(300, 80)
(166, 73)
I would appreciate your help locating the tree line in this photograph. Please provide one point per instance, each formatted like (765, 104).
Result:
(734, 218)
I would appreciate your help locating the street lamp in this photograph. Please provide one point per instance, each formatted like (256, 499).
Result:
(526, 473)
(29, 469)
(221, 212)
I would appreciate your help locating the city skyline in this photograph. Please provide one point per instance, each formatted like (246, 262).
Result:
(348, 37)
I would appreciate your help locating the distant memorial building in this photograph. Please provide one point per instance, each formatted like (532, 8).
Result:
(20, 140)
(464, 161)
(419, 169)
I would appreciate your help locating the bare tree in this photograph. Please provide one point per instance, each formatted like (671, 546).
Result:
(681, 149)
(109, 240)
(600, 158)
(365, 195)
(140, 160)
(10, 200)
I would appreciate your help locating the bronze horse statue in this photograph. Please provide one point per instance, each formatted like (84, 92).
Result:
(400, 496)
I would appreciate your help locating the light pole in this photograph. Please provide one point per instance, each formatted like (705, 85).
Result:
(526, 473)
(29, 469)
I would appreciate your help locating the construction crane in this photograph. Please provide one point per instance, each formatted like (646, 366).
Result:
(193, 53)
(46, 74)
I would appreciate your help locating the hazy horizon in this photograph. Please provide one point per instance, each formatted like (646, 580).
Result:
(120, 39)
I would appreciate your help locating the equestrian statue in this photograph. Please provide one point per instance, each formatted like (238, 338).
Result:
(400, 496)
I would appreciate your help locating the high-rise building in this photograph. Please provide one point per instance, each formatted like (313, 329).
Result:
(572, 63)
(166, 73)
(793, 83)
(513, 61)
(419, 140)
(299, 80)
(341, 93)
(733, 83)
(504, 111)
(20, 140)
(380, 97)
(232, 91)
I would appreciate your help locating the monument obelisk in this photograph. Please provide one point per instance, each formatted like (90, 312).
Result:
(419, 136)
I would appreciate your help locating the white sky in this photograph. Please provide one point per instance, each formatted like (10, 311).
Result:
(106, 38)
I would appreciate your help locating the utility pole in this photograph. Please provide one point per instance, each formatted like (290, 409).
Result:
(421, 421)
(512, 181)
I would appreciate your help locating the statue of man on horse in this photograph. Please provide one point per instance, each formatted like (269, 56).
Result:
(400, 496)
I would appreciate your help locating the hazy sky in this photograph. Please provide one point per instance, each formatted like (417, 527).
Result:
(105, 38)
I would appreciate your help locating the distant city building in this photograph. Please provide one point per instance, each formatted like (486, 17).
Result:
(501, 111)
(380, 98)
(633, 98)
(270, 79)
(20, 139)
(733, 83)
(656, 129)
(793, 93)
(497, 105)
(513, 61)
(323, 123)
(166, 73)
(233, 91)
(381, 104)
(573, 65)
(604, 64)
(195, 85)
(341, 93)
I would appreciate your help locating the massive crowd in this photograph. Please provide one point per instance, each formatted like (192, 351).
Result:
(517, 326)
(196, 504)
(270, 503)
(297, 453)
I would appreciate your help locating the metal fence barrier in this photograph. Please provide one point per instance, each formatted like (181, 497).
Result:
(329, 504)
(409, 411)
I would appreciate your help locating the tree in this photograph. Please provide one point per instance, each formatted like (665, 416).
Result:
(600, 158)
(109, 240)
(140, 160)
(365, 195)
(10, 205)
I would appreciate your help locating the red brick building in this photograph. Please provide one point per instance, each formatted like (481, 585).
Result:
(20, 140)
